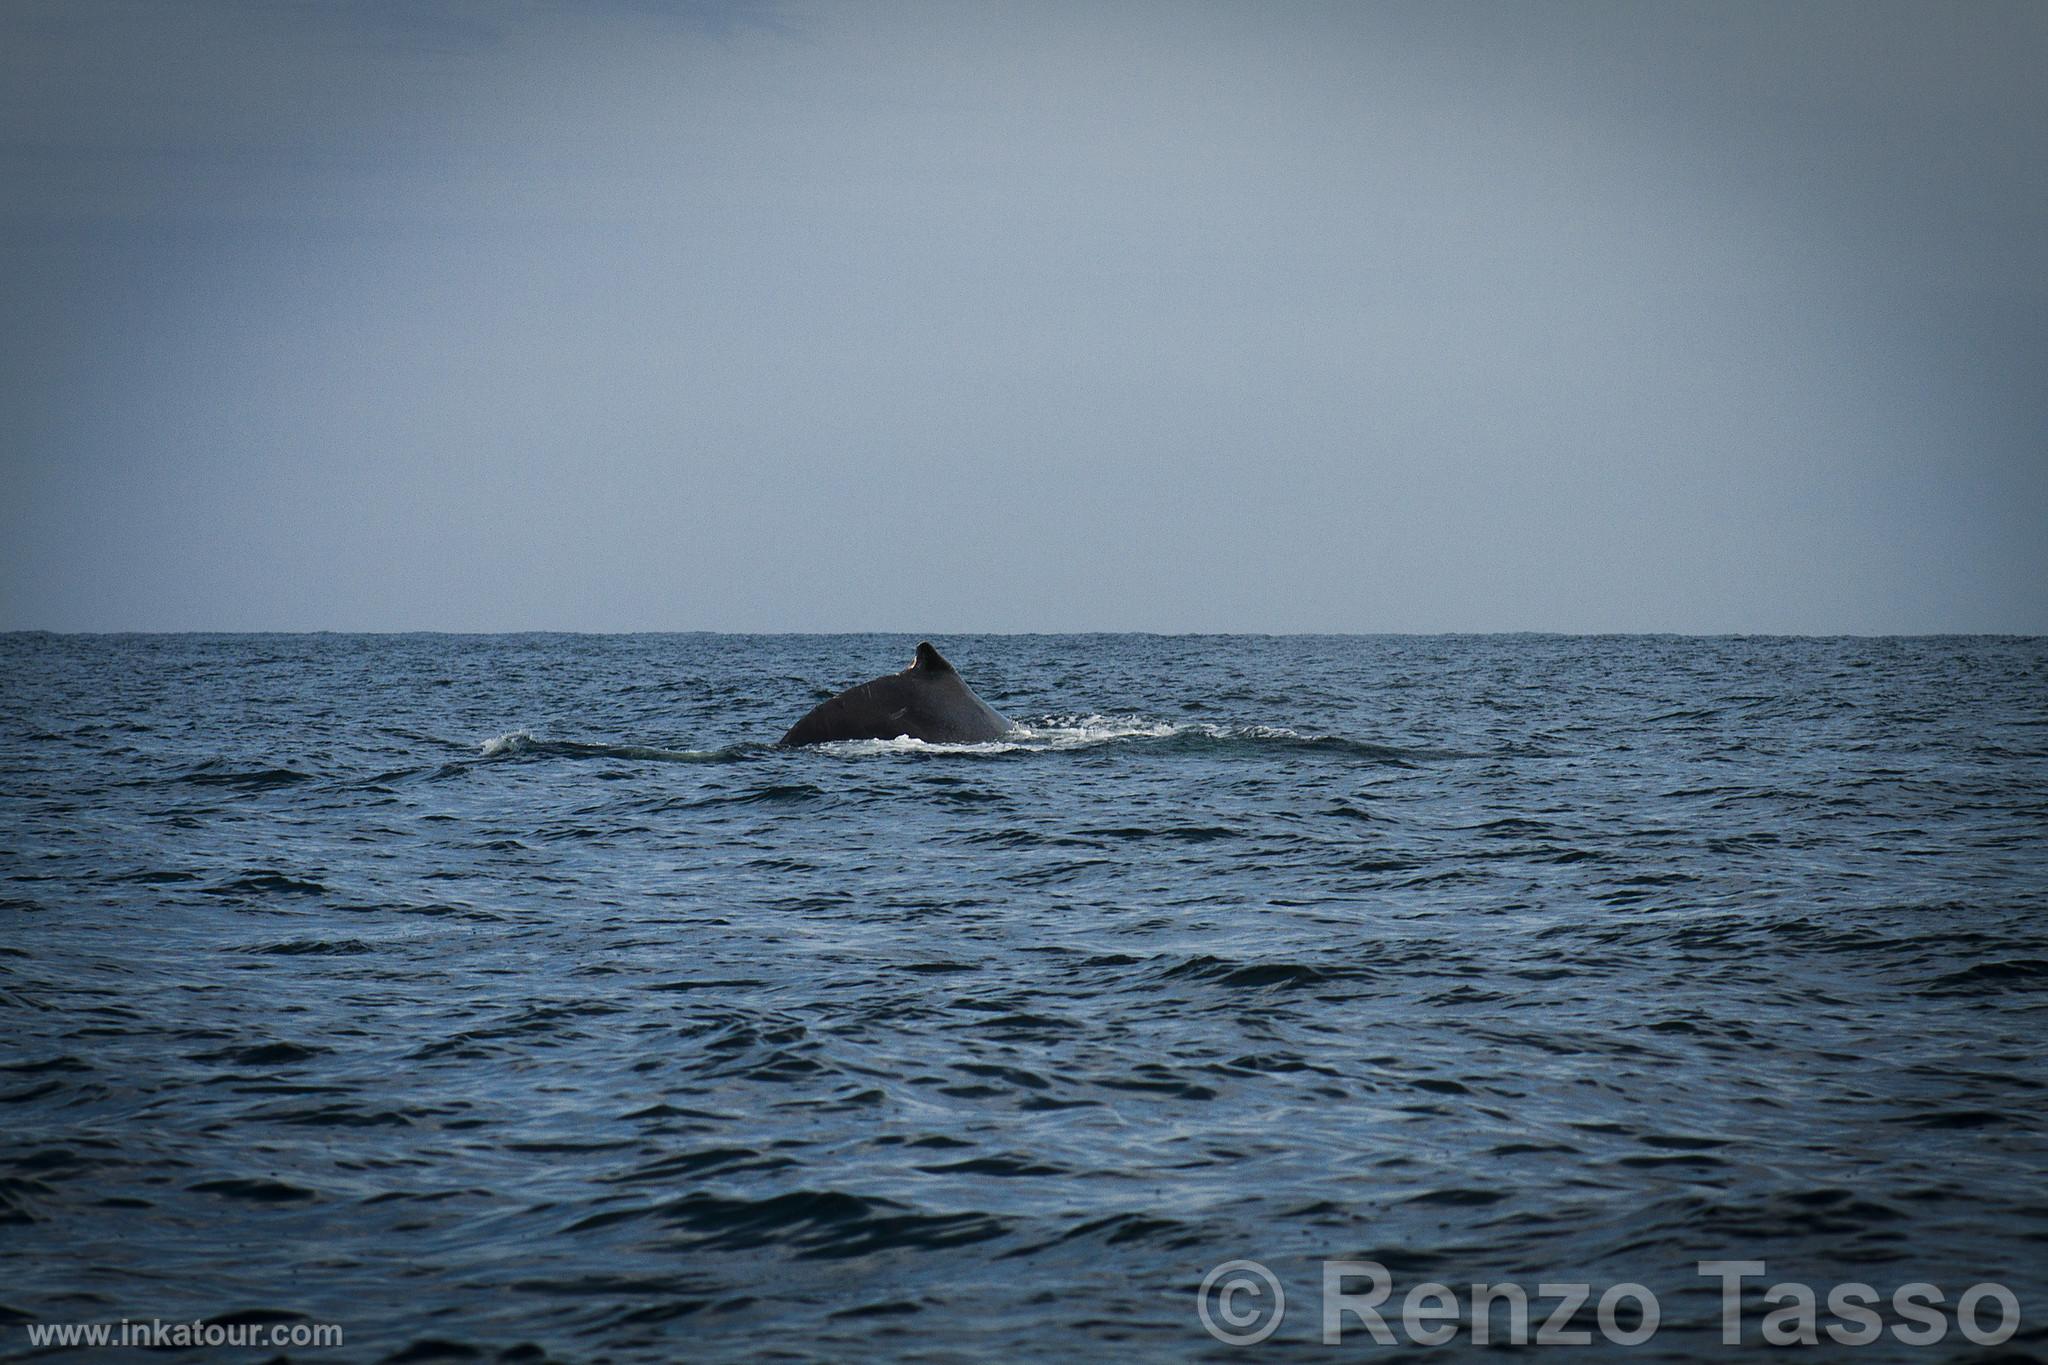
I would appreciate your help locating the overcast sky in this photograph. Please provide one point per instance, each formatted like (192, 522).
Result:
(648, 315)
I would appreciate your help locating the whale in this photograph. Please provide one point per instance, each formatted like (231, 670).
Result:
(928, 701)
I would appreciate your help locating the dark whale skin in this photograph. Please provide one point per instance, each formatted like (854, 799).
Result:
(926, 701)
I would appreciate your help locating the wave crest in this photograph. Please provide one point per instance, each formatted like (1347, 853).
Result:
(522, 743)
(1055, 733)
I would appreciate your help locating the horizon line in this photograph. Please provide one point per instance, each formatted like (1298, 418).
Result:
(1213, 634)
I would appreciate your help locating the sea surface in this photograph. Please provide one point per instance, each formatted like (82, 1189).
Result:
(511, 997)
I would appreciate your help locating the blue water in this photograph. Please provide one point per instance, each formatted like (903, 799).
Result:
(511, 994)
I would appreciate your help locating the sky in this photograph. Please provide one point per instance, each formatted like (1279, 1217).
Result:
(971, 316)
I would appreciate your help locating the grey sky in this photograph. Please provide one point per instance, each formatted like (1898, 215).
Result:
(952, 317)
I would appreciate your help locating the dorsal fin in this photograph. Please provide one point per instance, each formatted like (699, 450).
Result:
(929, 660)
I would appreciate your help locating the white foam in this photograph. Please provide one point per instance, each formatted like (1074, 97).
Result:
(1050, 733)
(1262, 732)
(1054, 732)
(1075, 732)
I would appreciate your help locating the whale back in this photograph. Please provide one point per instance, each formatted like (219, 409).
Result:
(928, 700)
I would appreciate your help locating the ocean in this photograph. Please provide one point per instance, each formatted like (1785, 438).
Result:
(512, 997)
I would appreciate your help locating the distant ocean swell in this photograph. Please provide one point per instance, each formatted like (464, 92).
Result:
(516, 998)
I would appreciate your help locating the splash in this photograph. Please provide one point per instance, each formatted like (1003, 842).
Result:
(516, 742)
(1059, 733)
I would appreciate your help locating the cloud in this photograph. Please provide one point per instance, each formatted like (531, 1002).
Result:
(1295, 316)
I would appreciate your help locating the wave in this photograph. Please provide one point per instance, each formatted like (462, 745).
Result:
(1049, 734)
(1061, 732)
(523, 744)
(1053, 734)
(216, 773)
